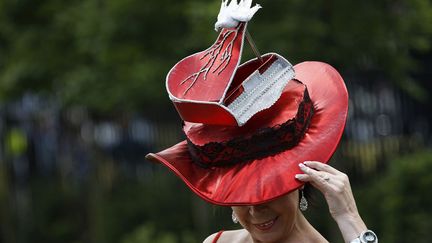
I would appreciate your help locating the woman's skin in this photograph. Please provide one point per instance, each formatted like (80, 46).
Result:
(277, 221)
(281, 220)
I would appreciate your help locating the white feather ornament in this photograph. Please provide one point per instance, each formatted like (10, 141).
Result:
(230, 15)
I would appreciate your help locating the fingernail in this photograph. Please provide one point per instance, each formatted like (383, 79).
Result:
(303, 167)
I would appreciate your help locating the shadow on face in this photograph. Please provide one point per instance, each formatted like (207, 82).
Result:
(271, 221)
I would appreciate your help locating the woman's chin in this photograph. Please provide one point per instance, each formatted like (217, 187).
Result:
(269, 231)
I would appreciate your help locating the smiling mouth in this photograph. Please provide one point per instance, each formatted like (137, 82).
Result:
(266, 225)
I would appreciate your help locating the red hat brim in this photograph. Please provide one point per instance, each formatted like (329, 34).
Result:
(263, 180)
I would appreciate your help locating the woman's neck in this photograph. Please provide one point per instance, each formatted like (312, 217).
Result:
(301, 231)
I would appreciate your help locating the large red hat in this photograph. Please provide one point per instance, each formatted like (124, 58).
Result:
(248, 126)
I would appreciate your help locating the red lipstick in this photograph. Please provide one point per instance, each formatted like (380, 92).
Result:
(266, 225)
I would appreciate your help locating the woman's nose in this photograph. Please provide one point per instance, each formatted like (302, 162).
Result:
(256, 209)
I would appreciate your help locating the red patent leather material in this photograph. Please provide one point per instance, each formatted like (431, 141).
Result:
(217, 114)
(201, 95)
(286, 108)
(199, 82)
(205, 113)
(264, 135)
(266, 179)
(210, 85)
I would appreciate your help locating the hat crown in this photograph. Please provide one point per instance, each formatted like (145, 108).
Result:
(256, 162)
(211, 87)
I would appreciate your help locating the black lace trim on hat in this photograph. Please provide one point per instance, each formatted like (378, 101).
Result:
(265, 142)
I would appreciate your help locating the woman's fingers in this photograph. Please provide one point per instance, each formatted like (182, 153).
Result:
(328, 183)
(321, 167)
(319, 179)
(336, 189)
(333, 184)
(303, 177)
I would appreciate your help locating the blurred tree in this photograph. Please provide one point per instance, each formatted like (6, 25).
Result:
(146, 233)
(355, 36)
(113, 55)
(16, 142)
(395, 203)
(103, 54)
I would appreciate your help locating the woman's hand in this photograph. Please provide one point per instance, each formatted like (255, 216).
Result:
(335, 187)
(333, 184)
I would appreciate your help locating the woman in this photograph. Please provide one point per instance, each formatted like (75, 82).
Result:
(249, 126)
(282, 221)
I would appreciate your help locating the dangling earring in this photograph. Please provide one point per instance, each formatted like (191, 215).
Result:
(303, 202)
(234, 218)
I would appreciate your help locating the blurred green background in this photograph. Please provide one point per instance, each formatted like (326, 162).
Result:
(82, 100)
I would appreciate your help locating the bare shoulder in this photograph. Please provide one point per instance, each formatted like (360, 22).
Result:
(229, 236)
(210, 238)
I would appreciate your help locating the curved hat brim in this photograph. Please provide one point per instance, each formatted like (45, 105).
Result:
(263, 180)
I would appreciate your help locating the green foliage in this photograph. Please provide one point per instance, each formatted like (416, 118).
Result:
(107, 55)
(114, 55)
(397, 203)
(145, 233)
(16, 142)
(352, 35)
(58, 214)
(99, 210)
(148, 233)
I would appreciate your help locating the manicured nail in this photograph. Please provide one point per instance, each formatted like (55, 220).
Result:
(303, 167)
(298, 176)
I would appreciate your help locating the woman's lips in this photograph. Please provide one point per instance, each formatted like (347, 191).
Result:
(266, 225)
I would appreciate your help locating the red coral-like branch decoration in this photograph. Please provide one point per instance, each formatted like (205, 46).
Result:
(213, 53)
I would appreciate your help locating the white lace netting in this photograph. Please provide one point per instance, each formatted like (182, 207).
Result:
(261, 91)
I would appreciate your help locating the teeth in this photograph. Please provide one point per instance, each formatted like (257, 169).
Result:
(266, 224)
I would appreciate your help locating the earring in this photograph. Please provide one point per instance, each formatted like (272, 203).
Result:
(234, 218)
(303, 202)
